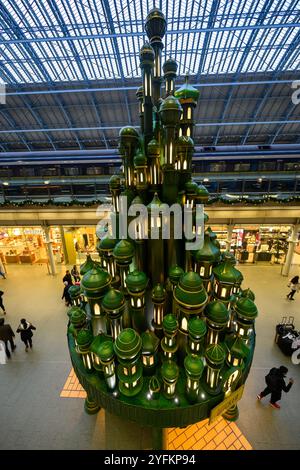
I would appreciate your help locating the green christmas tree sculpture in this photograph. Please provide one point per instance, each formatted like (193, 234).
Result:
(163, 334)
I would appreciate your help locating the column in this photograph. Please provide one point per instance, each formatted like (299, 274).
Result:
(229, 237)
(49, 250)
(64, 246)
(289, 257)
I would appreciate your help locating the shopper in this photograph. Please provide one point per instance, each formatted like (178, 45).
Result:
(75, 274)
(25, 329)
(66, 294)
(67, 277)
(1, 302)
(2, 270)
(7, 335)
(294, 286)
(275, 385)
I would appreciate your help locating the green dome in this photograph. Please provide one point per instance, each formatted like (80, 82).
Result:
(150, 342)
(170, 65)
(97, 342)
(137, 200)
(209, 252)
(202, 193)
(189, 291)
(115, 182)
(77, 316)
(129, 131)
(246, 308)
(215, 354)
(87, 265)
(248, 293)
(225, 272)
(212, 234)
(155, 24)
(136, 281)
(140, 160)
(95, 279)
(155, 203)
(147, 53)
(153, 147)
(216, 312)
(123, 251)
(193, 365)
(107, 243)
(197, 328)
(185, 144)
(170, 323)
(191, 187)
(158, 293)
(84, 338)
(106, 351)
(170, 371)
(237, 347)
(113, 300)
(170, 111)
(175, 273)
(74, 291)
(128, 344)
(229, 256)
(187, 92)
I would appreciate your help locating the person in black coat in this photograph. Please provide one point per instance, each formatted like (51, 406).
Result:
(7, 335)
(1, 302)
(25, 329)
(66, 294)
(67, 277)
(275, 385)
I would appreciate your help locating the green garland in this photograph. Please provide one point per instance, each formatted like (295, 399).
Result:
(249, 200)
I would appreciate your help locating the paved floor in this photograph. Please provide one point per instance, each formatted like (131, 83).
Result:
(36, 417)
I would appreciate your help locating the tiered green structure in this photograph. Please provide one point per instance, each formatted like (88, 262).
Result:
(162, 335)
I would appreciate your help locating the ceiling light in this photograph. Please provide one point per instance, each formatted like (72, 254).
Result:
(6, 183)
(206, 180)
(47, 182)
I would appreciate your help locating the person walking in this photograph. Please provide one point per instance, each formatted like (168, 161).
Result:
(7, 335)
(75, 274)
(275, 385)
(294, 286)
(1, 302)
(66, 295)
(67, 277)
(25, 329)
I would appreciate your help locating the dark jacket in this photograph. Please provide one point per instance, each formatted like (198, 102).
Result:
(68, 278)
(26, 331)
(276, 383)
(66, 295)
(6, 333)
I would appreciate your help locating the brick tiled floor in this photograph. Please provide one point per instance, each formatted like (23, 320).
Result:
(220, 435)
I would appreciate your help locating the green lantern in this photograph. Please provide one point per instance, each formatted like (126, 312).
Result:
(215, 357)
(77, 318)
(129, 141)
(237, 351)
(140, 168)
(106, 354)
(169, 345)
(227, 279)
(191, 189)
(136, 283)
(150, 344)
(170, 69)
(84, 341)
(95, 351)
(75, 294)
(217, 317)
(170, 111)
(115, 189)
(158, 300)
(197, 331)
(188, 97)
(95, 283)
(123, 254)
(193, 368)
(127, 348)
(113, 304)
(105, 248)
(154, 157)
(87, 265)
(185, 148)
(170, 374)
(204, 260)
(190, 297)
(246, 312)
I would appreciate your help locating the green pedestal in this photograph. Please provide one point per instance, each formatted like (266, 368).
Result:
(232, 413)
(90, 406)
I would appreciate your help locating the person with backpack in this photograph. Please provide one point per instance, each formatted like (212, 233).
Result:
(275, 385)
(25, 329)
(294, 286)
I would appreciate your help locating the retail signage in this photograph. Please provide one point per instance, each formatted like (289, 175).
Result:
(229, 401)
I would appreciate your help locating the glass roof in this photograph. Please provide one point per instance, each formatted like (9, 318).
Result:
(82, 40)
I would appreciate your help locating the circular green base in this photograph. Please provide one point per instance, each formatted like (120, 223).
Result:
(231, 414)
(91, 407)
